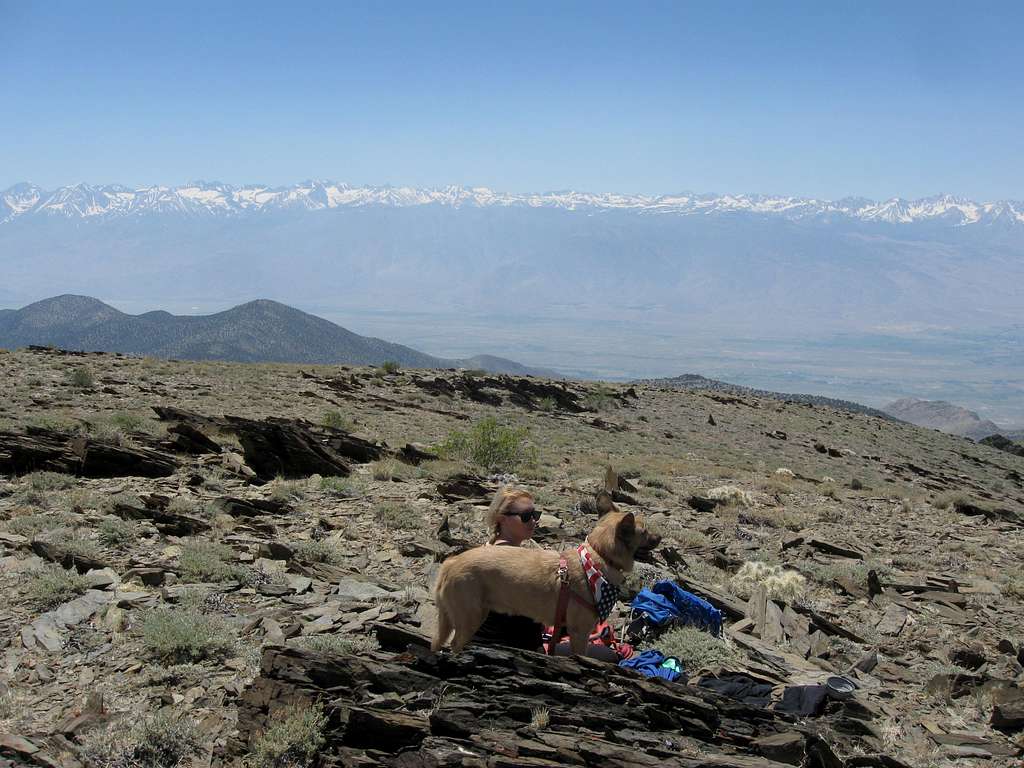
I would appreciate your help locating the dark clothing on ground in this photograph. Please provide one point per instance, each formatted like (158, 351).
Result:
(513, 631)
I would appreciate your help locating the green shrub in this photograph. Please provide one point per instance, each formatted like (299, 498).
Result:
(390, 366)
(49, 481)
(398, 517)
(52, 585)
(30, 526)
(81, 378)
(316, 552)
(185, 634)
(490, 446)
(206, 561)
(336, 420)
(293, 740)
(342, 645)
(288, 490)
(114, 532)
(70, 542)
(547, 404)
(600, 398)
(695, 648)
(161, 740)
(341, 487)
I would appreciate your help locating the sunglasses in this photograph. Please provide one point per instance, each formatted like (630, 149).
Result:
(526, 517)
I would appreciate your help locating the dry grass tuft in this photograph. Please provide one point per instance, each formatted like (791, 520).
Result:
(780, 584)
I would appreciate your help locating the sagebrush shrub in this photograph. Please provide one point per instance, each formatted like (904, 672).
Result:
(490, 446)
(695, 648)
(52, 585)
(294, 738)
(185, 633)
(201, 561)
(81, 378)
(161, 740)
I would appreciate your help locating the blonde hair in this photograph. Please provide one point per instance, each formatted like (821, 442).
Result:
(502, 500)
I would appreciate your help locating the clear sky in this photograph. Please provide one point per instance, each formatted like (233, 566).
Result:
(822, 99)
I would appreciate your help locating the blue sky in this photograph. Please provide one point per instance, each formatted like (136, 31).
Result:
(814, 99)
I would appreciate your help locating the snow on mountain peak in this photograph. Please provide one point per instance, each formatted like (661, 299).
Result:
(199, 197)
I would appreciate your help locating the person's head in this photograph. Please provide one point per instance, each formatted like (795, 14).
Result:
(512, 516)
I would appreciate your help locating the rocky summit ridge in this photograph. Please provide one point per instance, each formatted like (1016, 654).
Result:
(218, 564)
(111, 201)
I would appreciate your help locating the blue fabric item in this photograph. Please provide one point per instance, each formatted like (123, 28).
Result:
(666, 601)
(650, 663)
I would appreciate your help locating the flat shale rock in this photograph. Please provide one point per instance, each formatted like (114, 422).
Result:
(418, 708)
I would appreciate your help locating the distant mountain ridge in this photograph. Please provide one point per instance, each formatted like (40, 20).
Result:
(943, 416)
(690, 381)
(90, 202)
(257, 331)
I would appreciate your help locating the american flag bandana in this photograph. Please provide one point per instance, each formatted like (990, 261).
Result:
(605, 593)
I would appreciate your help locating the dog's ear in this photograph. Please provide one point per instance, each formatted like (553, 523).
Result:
(627, 526)
(604, 503)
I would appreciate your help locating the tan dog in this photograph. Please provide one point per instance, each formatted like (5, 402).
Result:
(524, 582)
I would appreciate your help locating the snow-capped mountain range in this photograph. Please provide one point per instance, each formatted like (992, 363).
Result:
(84, 201)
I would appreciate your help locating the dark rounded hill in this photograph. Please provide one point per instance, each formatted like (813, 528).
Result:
(258, 331)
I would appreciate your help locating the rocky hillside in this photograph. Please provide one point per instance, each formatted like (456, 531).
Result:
(693, 381)
(943, 416)
(214, 564)
(258, 331)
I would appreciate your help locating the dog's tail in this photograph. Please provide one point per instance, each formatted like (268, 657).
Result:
(444, 621)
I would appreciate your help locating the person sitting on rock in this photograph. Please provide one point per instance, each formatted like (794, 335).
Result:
(511, 520)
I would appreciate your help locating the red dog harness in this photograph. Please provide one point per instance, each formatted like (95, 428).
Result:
(603, 593)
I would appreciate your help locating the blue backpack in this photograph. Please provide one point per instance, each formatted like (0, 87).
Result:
(667, 604)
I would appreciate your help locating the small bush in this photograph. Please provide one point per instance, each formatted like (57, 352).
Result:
(288, 490)
(49, 481)
(316, 552)
(115, 532)
(390, 366)
(162, 740)
(599, 399)
(81, 378)
(398, 517)
(776, 517)
(787, 586)
(30, 526)
(547, 404)
(389, 470)
(183, 505)
(830, 491)
(69, 542)
(949, 499)
(336, 420)
(185, 634)
(540, 718)
(204, 561)
(1014, 588)
(293, 740)
(695, 648)
(52, 585)
(342, 645)
(341, 487)
(490, 446)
